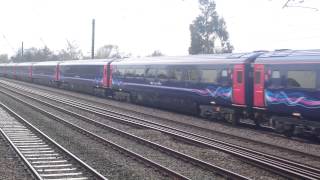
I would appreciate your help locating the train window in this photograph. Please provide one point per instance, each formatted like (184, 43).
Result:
(257, 77)
(139, 72)
(48, 70)
(275, 74)
(162, 74)
(224, 73)
(193, 75)
(209, 75)
(88, 72)
(120, 71)
(67, 71)
(130, 72)
(239, 77)
(175, 74)
(301, 79)
(151, 73)
(43, 70)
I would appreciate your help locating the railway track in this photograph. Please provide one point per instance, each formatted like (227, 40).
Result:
(175, 154)
(276, 164)
(44, 158)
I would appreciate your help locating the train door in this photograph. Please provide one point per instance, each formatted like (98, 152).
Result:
(57, 72)
(258, 87)
(238, 84)
(106, 75)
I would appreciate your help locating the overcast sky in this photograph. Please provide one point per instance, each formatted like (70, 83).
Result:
(142, 26)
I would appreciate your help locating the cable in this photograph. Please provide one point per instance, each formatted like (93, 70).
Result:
(5, 38)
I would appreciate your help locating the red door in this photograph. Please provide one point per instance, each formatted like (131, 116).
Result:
(238, 85)
(258, 87)
(104, 76)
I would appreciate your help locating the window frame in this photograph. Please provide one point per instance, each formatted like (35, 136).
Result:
(217, 72)
(300, 87)
(257, 79)
(239, 78)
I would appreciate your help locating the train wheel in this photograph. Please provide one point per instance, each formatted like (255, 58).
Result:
(233, 119)
(134, 98)
(289, 131)
(197, 109)
(257, 124)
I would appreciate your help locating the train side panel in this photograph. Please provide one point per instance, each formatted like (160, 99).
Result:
(45, 73)
(24, 71)
(293, 90)
(186, 88)
(85, 78)
(287, 92)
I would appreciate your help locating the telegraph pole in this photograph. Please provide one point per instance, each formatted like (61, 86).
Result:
(93, 31)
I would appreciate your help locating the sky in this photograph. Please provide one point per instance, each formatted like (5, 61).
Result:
(141, 26)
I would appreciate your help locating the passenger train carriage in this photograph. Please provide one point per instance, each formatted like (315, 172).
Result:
(23, 71)
(88, 76)
(287, 89)
(46, 73)
(280, 88)
(191, 84)
(8, 70)
(3, 70)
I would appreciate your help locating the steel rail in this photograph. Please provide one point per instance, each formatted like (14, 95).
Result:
(275, 163)
(203, 164)
(134, 155)
(264, 130)
(92, 172)
(170, 120)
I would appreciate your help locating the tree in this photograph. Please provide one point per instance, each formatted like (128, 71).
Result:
(208, 28)
(34, 55)
(156, 53)
(72, 52)
(108, 51)
(4, 58)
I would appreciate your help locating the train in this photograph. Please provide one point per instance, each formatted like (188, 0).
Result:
(279, 89)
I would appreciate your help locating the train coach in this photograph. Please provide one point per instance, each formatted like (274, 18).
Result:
(23, 71)
(280, 89)
(3, 70)
(46, 73)
(218, 86)
(287, 91)
(90, 76)
(8, 70)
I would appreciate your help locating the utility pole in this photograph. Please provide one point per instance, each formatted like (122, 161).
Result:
(93, 31)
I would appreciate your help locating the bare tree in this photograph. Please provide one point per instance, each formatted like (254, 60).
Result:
(108, 51)
(156, 53)
(4, 58)
(34, 55)
(72, 52)
(297, 4)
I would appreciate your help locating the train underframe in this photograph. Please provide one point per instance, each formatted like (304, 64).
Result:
(289, 126)
(230, 115)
